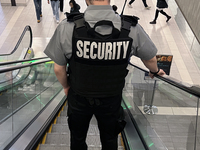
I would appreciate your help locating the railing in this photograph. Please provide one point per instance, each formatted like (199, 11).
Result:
(15, 75)
(22, 102)
(165, 110)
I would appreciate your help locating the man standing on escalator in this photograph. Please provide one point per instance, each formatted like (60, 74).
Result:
(97, 47)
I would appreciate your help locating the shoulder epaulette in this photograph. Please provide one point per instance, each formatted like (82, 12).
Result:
(70, 16)
(132, 19)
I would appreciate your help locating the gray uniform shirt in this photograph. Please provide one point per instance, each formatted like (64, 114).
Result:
(59, 49)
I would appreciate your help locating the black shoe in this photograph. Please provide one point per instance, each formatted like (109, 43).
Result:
(153, 22)
(168, 18)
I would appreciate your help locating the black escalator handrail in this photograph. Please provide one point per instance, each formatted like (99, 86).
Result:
(6, 69)
(27, 28)
(192, 90)
(19, 61)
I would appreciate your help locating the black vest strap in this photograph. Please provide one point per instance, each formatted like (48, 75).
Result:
(115, 32)
(82, 30)
(80, 25)
(127, 22)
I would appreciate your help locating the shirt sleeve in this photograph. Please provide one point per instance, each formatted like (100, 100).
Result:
(142, 46)
(54, 49)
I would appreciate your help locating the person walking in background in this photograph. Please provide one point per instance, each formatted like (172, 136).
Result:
(54, 5)
(61, 5)
(144, 2)
(38, 9)
(74, 6)
(161, 4)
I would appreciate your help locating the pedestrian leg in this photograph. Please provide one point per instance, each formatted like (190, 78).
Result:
(57, 11)
(40, 7)
(36, 3)
(61, 5)
(145, 4)
(156, 16)
(53, 6)
(165, 14)
(129, 4)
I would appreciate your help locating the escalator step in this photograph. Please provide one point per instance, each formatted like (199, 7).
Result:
(62, 120)
(53, 147)
(63, 113)
(63, 147)
(59, 128)
(57, 138)
(64, 139)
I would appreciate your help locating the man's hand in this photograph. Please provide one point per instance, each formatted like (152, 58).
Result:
(151, 64)
(160, 73)
(66, 90)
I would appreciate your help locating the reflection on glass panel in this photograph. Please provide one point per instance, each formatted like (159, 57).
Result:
(173, 124)
(23, 95)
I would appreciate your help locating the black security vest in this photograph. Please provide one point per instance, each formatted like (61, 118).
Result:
(98, 64)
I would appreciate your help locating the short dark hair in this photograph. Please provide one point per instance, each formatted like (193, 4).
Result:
(114, 7)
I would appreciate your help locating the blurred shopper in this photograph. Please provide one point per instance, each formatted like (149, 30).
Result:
(38, 9)
(144, 2)
(61, 5)
(74, 6)
(54, 5)
(161, 4)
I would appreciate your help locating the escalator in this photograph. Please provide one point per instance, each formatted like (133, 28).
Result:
(30, 100)
(25, 86)
(42, 123)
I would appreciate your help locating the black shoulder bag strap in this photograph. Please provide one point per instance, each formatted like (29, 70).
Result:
(80, 25)
(127, 22)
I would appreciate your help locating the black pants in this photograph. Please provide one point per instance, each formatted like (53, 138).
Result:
(61, 5)
(109, 115)
(144, 2)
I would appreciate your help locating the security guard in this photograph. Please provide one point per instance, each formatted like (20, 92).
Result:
(97, 46)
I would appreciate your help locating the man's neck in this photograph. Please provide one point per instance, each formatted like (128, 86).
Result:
(101, 2)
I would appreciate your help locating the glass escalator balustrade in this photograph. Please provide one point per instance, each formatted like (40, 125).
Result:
(26, 94)
(165, 115)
